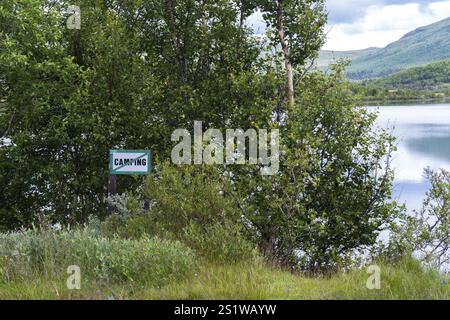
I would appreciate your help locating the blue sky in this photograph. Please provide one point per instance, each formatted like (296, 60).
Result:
(359, 24)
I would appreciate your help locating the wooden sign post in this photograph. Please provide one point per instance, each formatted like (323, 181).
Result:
(111, 190)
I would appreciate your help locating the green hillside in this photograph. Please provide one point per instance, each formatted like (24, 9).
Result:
(430, 82)
(433, 77)
(421, 46)
(326, 57)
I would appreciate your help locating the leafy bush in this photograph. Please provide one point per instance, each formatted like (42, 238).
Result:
(48, 253)
(135, 226)
(78, 107)
(426, 233)
(180, 195)
(330, 198)
(189, 204)
(222, 243)
(332, 193)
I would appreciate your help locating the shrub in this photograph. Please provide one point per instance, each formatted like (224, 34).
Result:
(425, 233)
(48, 253)
(189, 204)
(223, 243)
(332, 194)
(180, 195)
(134, 226)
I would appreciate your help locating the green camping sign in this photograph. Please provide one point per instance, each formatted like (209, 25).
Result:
(130, 162)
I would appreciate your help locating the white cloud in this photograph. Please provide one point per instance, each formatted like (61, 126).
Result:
(348, 11)
(383, 24)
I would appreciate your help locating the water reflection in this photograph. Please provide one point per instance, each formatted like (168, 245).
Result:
(423, 134)
(436, 147)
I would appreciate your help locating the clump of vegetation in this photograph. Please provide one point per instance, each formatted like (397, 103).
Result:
(66, 100)
(329, 199)
(48, 253)
(188, 204)
(332, 193)
(426, 233)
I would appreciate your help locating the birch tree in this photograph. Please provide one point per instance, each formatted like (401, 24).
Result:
(297, 26)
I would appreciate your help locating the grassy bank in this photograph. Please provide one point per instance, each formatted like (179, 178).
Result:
(405, 280)
(33, 265)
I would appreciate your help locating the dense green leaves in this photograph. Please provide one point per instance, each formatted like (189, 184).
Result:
(302, 23)
(138, 70)
(332, 193)
(133, 73)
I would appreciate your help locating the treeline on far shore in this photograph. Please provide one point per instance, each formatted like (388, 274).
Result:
(429, 83)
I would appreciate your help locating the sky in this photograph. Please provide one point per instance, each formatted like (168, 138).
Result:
(360, 24)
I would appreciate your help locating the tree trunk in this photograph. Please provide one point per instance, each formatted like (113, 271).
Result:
(285, 48)
(242, 15)
(290, 82)
(267, 248)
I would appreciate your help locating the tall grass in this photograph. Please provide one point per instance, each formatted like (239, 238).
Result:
(33, 265)
(47, 254)
(405, 280)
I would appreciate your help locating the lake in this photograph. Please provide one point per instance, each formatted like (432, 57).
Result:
(423, 137)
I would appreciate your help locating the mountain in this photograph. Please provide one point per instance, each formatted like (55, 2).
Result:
(326, 57)
(419, 47)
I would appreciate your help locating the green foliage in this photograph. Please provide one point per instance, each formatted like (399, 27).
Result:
(426, 233)
(137, 70)
(66, 98)
(190, 204)
(220, 242)
(180, 195)
(330, 198)
(302, 23)
(428, 77)
(332, 193)
(48, 254)
(134, 226)
(133, 73)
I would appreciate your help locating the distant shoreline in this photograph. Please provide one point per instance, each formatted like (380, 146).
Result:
(368, 102)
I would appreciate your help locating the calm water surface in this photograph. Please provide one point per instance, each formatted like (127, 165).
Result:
(423, 137)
